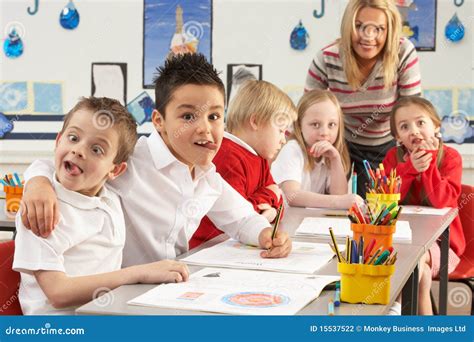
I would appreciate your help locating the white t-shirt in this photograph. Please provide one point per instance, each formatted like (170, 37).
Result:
(289, 165)
(164, 205)
(89, 239)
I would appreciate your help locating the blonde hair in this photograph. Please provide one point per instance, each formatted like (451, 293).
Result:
(261, 99)
(310, 98)
(423, 104)
(389, 52)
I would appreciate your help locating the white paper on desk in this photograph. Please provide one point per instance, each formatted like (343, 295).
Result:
(421, 210)
(305, 257)
(318, 227)
(238, 292)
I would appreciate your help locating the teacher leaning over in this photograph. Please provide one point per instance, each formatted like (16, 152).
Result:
(368, 69)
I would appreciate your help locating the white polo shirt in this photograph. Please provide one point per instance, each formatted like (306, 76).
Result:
(89, 239)
(163, 205)
(289, 165)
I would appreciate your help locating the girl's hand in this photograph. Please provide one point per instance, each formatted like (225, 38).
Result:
(420, 159)
(346, 201)
(430, 144)
(164, 271)
(324, 148)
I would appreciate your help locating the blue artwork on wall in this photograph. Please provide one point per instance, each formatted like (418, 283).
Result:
(171, 28)
(48, 98)
(6, 125)
(419, 22)
(141, 108)
(13, 96)
(441, 99)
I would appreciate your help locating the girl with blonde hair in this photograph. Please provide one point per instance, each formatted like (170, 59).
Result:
(311, 168)
(368, 69)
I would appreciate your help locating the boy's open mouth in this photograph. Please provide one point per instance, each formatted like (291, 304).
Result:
(72, 168)
(206, 144)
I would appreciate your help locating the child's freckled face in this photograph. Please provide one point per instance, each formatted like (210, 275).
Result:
(413, 126)
(320, 122)
(85, 153)
(193, 125)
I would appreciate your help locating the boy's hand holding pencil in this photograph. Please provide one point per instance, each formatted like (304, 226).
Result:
(278, 247)
(276, 242)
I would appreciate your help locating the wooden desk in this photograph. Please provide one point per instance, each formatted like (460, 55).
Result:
(403, 279)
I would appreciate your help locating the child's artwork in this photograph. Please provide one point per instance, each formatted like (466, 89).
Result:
(442, 100)
(48, 98)
(174, 27)
(6, 126)
(237, 74)
(110, 80)
(238, 292)
(419, 22)
(13, 96)
(141, 108)
(305, 257)
(456, 109)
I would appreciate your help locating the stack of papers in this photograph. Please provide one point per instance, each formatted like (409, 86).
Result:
(305, 257)
(420, 210)
(319, 227)
(238, 292)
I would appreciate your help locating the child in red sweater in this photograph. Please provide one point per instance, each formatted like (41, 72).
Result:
(257, 120)
(431, 175)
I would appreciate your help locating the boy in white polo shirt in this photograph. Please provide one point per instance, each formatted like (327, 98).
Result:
(83, 256)
(171, 183)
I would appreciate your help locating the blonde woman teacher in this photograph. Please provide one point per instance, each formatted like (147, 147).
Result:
(368, 69)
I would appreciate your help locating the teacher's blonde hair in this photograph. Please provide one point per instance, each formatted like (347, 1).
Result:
(389, 52)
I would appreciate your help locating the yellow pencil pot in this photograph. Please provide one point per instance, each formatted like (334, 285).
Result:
(13, 195)
(377, 200)
(366, 284)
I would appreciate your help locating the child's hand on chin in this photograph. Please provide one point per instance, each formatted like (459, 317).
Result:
(323, 148)
(420, 159)
(430, 144)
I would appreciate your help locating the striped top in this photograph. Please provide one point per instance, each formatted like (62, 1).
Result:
(367, 109)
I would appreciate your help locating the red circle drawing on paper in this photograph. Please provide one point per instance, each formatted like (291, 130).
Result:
(255, 299)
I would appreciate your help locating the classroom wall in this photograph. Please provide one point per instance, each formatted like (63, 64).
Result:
(244, 31)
